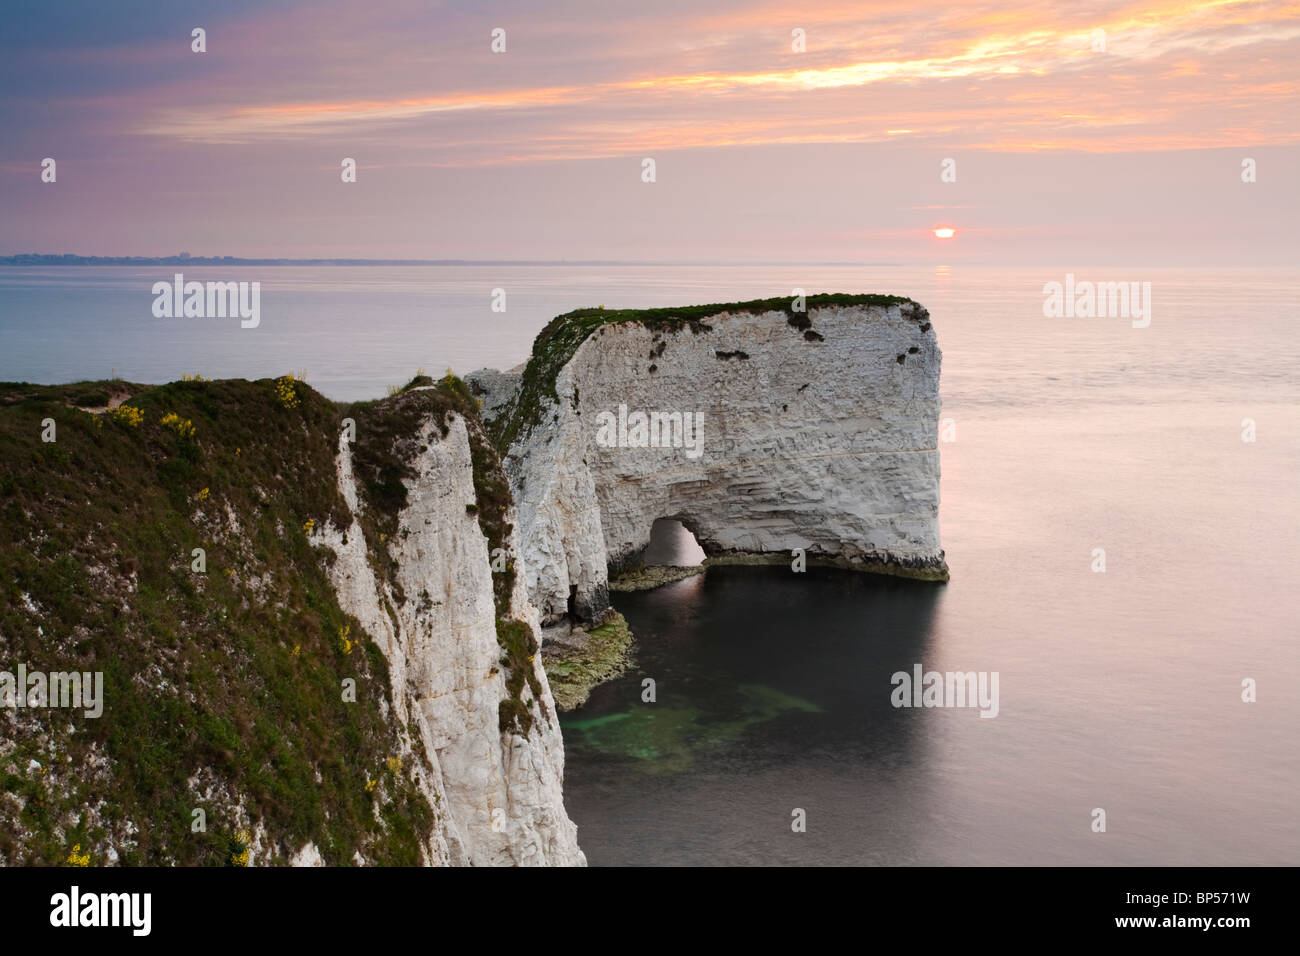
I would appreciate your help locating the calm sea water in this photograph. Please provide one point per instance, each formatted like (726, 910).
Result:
(1118, 690)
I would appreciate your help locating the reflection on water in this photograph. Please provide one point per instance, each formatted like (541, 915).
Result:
(766, 699)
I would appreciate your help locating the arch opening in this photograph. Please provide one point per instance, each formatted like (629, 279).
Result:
(672, 545)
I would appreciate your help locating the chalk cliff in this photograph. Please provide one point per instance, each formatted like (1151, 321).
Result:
(498, 787)
(818, 431)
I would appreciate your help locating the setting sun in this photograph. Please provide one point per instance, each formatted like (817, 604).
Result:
(945, 232)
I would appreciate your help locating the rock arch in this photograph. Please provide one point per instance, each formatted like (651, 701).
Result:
(816, 430)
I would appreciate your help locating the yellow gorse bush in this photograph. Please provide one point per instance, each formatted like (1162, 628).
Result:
(196, 377)
(203, 495)
(286, 389)
(75, 860)
(241, 858)
(181, 426)
(127, 415)
(309, 525)
(345, 644)
(394, 764)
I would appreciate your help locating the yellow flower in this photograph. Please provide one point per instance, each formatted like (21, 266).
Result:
(203, 495)
(395, 764)
(286, 390)
(75, 860)
(308, 525)
(296, 649)
(241, 858)
(346, 645)
(128, 415)
(370, 785)
(181, 426)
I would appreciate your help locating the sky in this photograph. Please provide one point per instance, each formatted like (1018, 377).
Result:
(1079, 133)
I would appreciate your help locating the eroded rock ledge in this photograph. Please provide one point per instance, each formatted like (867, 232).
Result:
(819, 432)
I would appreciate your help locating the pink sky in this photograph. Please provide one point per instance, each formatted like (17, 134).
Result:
(1064, 151)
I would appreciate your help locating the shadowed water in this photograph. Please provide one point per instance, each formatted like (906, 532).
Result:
(764, 702)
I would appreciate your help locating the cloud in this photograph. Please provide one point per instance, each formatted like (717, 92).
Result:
(992, 80)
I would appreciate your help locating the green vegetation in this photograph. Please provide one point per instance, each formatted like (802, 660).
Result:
(576, 664)
(221, 688)
(516, 638)
(556, 344)
(654, 576)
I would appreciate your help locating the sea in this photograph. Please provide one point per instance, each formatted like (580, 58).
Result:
(1120, 512)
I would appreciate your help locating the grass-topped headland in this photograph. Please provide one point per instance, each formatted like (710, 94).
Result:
(224, 666)
(557, 343)
(381, 462)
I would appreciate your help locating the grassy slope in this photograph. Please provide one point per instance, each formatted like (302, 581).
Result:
(558, 342)
(232, 676)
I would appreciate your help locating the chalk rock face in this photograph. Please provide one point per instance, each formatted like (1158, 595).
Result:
(498, 796)
(815, 431)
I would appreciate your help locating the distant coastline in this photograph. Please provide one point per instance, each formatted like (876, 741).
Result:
(185, 259)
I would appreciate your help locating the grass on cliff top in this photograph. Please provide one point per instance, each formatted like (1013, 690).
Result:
(381, 464)
(232, 677)
(557, 343)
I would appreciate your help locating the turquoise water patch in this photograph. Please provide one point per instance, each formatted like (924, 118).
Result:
(665, 737)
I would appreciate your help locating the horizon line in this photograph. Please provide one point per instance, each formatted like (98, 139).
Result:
(75, 260)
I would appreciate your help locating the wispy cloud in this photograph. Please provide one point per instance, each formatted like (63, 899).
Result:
(994, 80)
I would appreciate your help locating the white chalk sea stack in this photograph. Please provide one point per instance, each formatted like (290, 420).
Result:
(818, 431)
